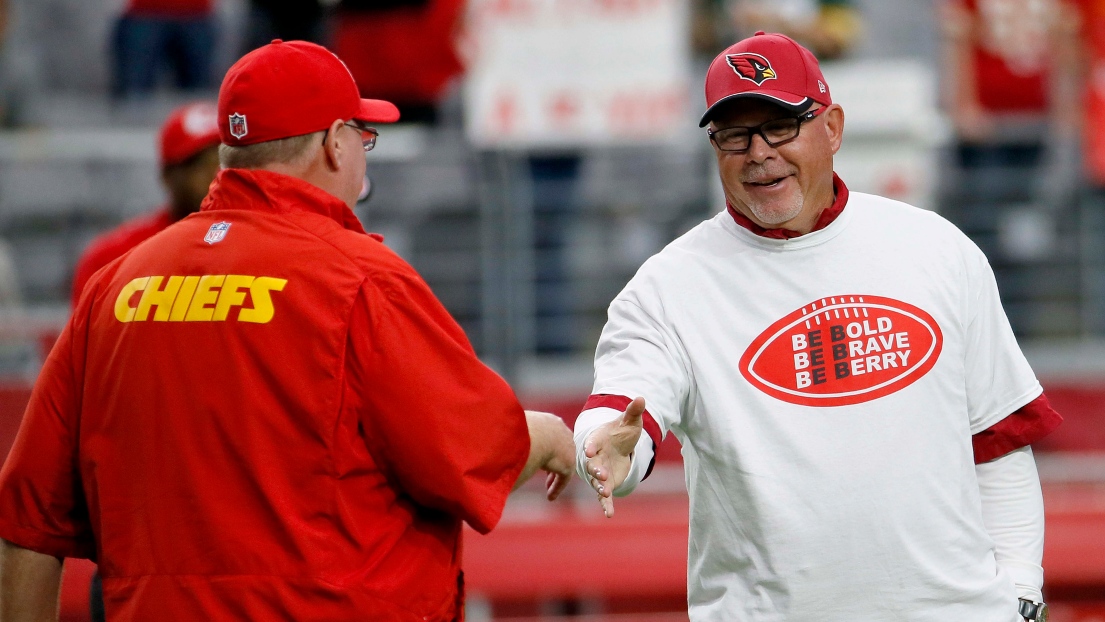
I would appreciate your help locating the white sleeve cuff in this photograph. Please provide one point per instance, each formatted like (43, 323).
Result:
(1013, 513)
(643, 454)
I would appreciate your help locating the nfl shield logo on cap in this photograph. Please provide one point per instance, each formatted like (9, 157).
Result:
(238, 127)
(217, 232)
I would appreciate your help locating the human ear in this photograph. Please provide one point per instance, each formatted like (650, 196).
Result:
(333, 145)
(834, 126)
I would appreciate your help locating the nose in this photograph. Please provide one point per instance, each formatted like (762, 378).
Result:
(758, 149)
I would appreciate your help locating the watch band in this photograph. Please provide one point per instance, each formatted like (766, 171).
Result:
(1037, 612)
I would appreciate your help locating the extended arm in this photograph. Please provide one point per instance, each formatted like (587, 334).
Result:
(1013, 512)
(29, 583)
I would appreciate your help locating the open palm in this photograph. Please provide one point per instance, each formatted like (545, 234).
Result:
(609, 452)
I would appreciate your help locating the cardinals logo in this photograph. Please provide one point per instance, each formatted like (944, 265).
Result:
(751, 67)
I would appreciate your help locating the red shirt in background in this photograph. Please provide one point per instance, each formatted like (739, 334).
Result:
(1012, 52)
(114, 244)
(262, 413)
(168, 8)
(406, 55)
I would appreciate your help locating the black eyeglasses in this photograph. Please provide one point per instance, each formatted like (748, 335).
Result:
(775, 132)
(368, 134)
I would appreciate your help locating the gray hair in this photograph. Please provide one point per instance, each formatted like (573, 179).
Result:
(258, 155)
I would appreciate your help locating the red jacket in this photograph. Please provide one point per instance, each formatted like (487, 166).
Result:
(262, 413)
(114, 244)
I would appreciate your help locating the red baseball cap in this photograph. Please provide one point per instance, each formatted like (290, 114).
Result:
(291, 88)
(771, 67)
(187, 131)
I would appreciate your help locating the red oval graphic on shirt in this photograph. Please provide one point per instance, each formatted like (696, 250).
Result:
(843, 350)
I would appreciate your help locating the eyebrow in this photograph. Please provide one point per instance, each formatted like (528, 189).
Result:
(768, 120)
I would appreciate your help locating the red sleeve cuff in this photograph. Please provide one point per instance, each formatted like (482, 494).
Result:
(621, 402)
(1021, 428)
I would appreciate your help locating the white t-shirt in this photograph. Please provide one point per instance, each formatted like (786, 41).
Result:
(825, 390)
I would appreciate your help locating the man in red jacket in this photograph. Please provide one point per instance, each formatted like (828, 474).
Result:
(262, 413)
(189, 155)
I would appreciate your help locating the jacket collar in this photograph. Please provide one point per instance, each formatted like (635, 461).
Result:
(824, 220)
(258, 190)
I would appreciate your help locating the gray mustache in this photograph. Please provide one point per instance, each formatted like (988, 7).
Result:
(759, 174)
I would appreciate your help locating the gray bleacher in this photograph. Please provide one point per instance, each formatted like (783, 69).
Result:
(80, 164)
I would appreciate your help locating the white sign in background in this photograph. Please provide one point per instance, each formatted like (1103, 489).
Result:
(563, 73)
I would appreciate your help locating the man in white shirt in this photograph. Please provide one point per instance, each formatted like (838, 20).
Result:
(854, 410)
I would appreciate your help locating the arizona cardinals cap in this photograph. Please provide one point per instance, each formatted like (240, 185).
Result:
(771, 67)
(291, 88)
(187, 131)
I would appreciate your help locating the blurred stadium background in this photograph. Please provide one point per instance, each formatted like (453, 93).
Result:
(528, 186)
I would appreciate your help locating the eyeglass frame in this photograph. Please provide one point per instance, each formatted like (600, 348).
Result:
(753, 130)
(360, 126)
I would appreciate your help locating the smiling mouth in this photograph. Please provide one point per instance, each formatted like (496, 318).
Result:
(768, 183)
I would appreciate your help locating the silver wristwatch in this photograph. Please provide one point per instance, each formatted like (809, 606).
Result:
(1033, 611)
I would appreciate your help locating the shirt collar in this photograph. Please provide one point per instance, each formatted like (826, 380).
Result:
(824, 220)
(258, 190)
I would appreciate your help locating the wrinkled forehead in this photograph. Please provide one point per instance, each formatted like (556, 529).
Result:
(748, 111)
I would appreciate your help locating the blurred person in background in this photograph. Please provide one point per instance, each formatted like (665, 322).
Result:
(297, 429)
(854, 411)
(1093, 149)
(404, 51)
(1012, 70)
(828, 28)
(153, 35)
(189, 157)
(1093, 135)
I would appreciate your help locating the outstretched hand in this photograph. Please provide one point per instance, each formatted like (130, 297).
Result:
(551, 450)
(609, 451)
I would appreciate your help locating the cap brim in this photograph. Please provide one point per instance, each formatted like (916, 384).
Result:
(779, 98)
(377, 111)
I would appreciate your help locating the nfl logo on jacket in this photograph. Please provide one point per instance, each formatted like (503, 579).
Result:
(217, 232)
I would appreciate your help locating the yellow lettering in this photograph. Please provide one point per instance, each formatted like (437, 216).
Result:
(123, 311)
(198, 311)
(162, 299)
(180, 307)
(230, 296)
(262, 310)
(198, 298)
